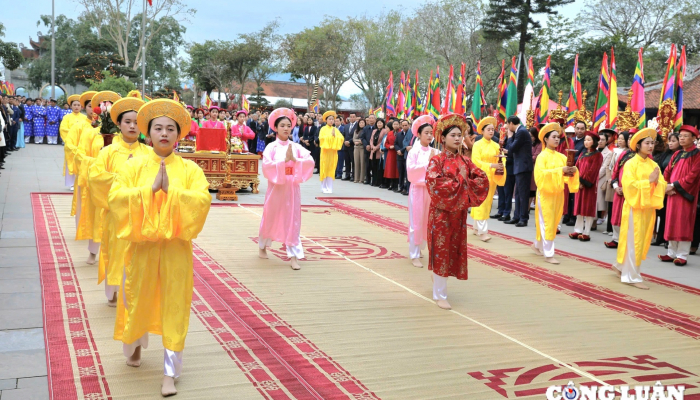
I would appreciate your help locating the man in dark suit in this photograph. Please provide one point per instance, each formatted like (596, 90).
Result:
(341, 153)
(253, 125)
(521, 150)
(349, 147)
(366, 137)
(505, 192)
(401, 155)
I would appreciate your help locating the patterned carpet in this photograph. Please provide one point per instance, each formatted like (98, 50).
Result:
(358, 322)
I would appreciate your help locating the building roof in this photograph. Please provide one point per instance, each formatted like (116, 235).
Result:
(652, 91)
(287, 90)
(34, 51)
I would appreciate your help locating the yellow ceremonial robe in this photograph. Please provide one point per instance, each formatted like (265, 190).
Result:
(68, 135)
(329, 150)
(101, 174)
(89, 147)
(643, 199)
(158, 261)
(484, 153)
(71, 151)
(550, 180)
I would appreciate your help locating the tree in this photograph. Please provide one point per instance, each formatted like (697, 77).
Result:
(302, 51)
(162, 57)
(685, 30)
(116, 19)
(508, 18)
(208, 66)
(114, 83)
(98, 60)
(258, 101)
(334, 68)
(359, 101)
(380, 45)
(635, 23)
(254, 55)
(9, 53)
(283, 103)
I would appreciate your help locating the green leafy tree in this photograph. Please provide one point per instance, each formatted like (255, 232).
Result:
(506, 19)
(117, 84)
(207, 66)
(9, 53)
(98, 59)
(162, 56)
(257, 101)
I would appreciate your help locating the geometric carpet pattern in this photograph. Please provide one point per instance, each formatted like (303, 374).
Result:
(358, 320)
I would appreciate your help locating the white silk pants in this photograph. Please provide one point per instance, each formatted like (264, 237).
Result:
(583, 224)
(327, 185)
(628, 268)
(678, 249)
(439, 287)
(482, 226)
(544, 245)
(292, 251)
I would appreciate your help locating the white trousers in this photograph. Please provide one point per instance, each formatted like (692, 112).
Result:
(292, 251)
(439, 287)
(629, 268)
(583, 224)
(27, 139)
(172, 360)
(482, 226)
(616, 233)
(414, 248)
(70, 178)
(327, 185)
(38, 139)
(110, 290)
(52, 139)
(678, 249)
(544, 245)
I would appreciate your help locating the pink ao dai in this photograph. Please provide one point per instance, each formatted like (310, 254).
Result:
(418, 198)
(281, 220)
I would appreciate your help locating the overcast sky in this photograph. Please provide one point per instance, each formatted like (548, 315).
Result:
(225, 19)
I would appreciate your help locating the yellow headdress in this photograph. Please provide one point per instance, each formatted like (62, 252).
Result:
(550, 127)
(484, 122)
(123, 105)
(72, 98)
(450, 120)
(164, 108)
(641, 135)
(105, 95)
(87, 96)
(329, 113)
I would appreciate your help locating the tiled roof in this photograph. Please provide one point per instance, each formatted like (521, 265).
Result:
(288, 90)
(652, 91)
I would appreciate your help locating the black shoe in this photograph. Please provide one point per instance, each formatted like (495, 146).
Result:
(405, 193)
(570, 223)
(496, 216)
(504, 218)
(565, 221)
(383, 186)
(512, 222)
(521, 224)
(657, 243)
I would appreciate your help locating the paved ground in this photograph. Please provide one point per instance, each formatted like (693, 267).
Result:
(37, 168)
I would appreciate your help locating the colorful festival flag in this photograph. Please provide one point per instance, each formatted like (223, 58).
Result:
(478, 100)
(175, 96)
(447, 104)
(245, 105)
(611, 110)
(574, 102)
(208, 103)
(390, 110)
(637, 102)
(543, 99)
(668, 89)
(529, 89)
(401, 102)
(434, 105)
(679, 90)
(512, 91)
(317, 107)
(603, 95)
(501, 105)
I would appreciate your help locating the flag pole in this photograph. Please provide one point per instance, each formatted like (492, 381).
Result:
(53, 50)
(143, 50)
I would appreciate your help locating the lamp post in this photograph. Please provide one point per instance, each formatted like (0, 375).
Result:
(53, 50)
(143, 49)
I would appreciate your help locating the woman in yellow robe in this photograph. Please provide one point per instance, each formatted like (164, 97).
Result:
(330, 140)
(160, 203)
(644, 188)
(75, 117)
(485, 156)
(71, 140)
(550, 167)
(91, 142)
(102, 173)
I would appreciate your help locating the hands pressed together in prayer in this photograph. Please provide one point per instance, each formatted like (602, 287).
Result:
(654, 176)
(161, 182)
(569, 170)
(290, 154)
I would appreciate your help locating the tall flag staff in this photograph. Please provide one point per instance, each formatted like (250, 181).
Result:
(390, 96)
(679, 90)
(543, 98)
(574, 102)
(637, 100)
(478, 100)
(611, 110)
(501, 105)
(603, 94)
